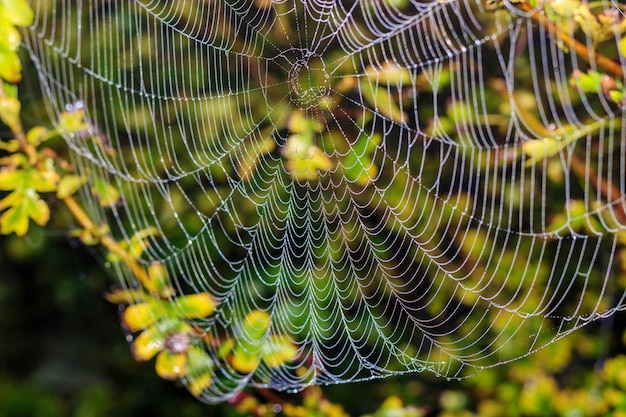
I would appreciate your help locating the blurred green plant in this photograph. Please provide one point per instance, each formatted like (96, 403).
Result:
(166, 329)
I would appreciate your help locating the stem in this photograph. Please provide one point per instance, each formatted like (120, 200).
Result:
(106, 240)
(609, 191)
(581, 50)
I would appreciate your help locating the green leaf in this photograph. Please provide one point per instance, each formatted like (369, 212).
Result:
(69, 184)
(278, 350)
(12, 145)
(107, 195)
(36, 135)
(27, 179)
(247, 352)
(138, 243)
(390, 73)
(10, 66)
(304, 160)
(18, 12)
(381, 100)
(23, 206)
(72, 121)
(358, 164)
(589, 82)
(199, 370)
(159, 280)
(148, 343)
(10, 180)
(617, 96)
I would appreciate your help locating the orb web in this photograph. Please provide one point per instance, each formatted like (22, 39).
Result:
(402, 185)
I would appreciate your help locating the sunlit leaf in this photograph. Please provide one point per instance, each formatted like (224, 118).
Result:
(248, 348)
(127, 296)
(10, 37)
(10, 66)
(137, 243)
(195, 305)
(39, 212)
(14, 220)
(148, 343)
(159, 280)
(10, 146)
(589, 82)
(602, 27)
(18, 12)
(9, 107)
(390, 73)
(199, 370)
(171, 365)
(23, 206)
(379, 97)
(36, 135)
(278, 350)
(139, 316)
(106, 194)
(305, 161)
(72, 121)
(69, 184)
(358, 163)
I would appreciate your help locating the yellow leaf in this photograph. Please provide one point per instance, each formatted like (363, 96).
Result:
(197, 384)
(139, 316)
(389, 73)
(39, 212)
(10, 66)
(195, 305)
(73, 121)
(159, 280)
(381, 100)
(36, 135)
(245, 362)
(17, 12)
(69, 184)
(247, 353)
(138, 242)
(9, 180)
(126, 296)
(148, 343)
(10, 37)
(278, 350)
(9, 107)
(305, 161)
(199, 370)
(106, 194)
(15, 221)
(171, 365)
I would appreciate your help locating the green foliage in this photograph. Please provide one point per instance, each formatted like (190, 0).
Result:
(547, 384)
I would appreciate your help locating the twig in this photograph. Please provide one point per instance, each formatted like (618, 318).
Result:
(581, 50)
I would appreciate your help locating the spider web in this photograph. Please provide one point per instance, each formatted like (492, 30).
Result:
(402, 185)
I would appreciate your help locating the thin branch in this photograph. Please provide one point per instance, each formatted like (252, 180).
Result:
(581, 50)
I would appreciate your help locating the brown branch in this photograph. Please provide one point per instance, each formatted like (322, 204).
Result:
(581, 50)
(106, 240)
(609, 191)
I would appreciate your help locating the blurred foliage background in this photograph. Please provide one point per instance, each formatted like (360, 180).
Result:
(63, 353)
